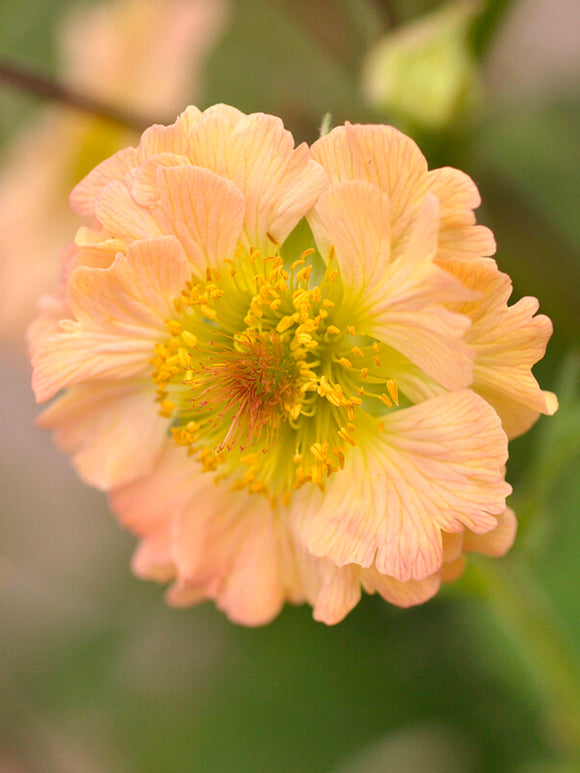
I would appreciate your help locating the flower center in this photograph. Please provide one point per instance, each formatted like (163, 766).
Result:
(250, 382)
(262, 377)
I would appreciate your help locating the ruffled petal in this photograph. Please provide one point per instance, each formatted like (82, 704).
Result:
(142, 180)
(111, 429)
(436, 466)
(119, 315)
(383, 156)
(204, 211)
(458, 196)
(148, 506)
(399, 301)
(338, 591)
(508, 341)
(122, 217)
(82, 198)
(280, 183)
(457, 193)
(402, 594)
(228, 544)
(497, 542)
(174, 138)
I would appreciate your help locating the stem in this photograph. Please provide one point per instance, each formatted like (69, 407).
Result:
(522, 608)
(41, 85)
(389, 12)
(486, 24)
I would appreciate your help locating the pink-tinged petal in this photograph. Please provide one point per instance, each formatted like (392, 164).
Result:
(452, 545)
(148, 506)
(453, 570)
(408, 315)
(119, 315)
(457, 193)
(467, 243)
(436, 466)
(354, 217)
(338, 593)
(51, 310)
(384, 157)
(494, 543)
(152, 559)
(82, 198)
(209, 138)
(101, 255)
(398, 301)
(122, 217)
(517, 418)
(280, 183)
(182, 594)
(143, 182)
(111, 429)
(204, 211)
(508, 341)
(150, 503)
(403, 594)
(228, 544)
(458, 196)
(174, 138)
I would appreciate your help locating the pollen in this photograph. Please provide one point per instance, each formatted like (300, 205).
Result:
(257, 377)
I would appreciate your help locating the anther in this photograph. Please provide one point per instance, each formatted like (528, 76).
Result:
(393, 390)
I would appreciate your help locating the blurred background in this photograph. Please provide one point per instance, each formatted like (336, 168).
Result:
(97, 675)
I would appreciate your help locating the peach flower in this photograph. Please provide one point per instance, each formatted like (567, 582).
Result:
(294, 370)
(144, 55)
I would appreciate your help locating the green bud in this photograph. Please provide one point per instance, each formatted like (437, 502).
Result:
(425, 73)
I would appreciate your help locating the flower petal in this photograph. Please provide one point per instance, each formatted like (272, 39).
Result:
(508, 341)
(120, 314)
(174, 138)
(436, 466)
(458, 196)
(204, 211)
(398, 301)
(142, 180)
(457, 193)
(82, 198)
(403, 594)
(384, 157)
(280, 183)
(338, 593)
(228, 544)
(110, 428)
(147, 506)
(497, 542)
(354, 217)
(122, 217)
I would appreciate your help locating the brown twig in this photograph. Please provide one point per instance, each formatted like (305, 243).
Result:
(43, 86)
(389, 12)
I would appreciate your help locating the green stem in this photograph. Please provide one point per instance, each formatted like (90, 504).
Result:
(525, 613)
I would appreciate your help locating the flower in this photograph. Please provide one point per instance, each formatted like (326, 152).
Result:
(294, 370)
(146, 55)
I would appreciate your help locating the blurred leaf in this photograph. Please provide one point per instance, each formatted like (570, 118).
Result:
(416, 749)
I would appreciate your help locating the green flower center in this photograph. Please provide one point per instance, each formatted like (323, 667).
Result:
(263, 377)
